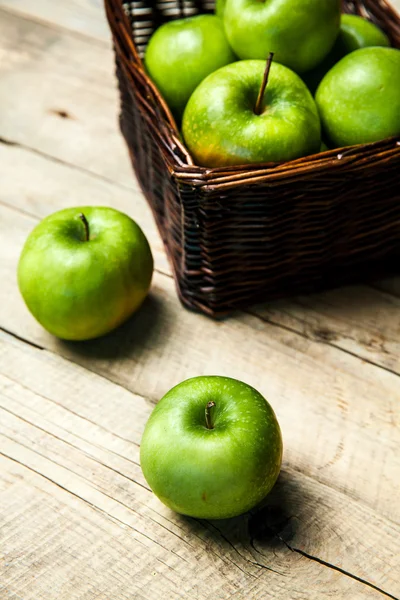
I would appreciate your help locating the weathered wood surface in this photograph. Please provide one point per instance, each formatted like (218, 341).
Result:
(69, 89)
(56, 422)
(77, 519)
(84, 17)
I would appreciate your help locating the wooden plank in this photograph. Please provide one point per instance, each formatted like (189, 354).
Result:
(81, 433)
(85, 17)
(339, 414)
(69, 88)
(360, 320)
(61, 546)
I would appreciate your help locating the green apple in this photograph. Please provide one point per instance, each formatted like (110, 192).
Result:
(221, 126)
(84, 271)
(355, 33)
(212, 448)
(220, 8)
(359, 99)
(299, 32)
(181, 53)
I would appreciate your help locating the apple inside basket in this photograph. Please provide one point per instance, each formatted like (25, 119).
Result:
(247, 205)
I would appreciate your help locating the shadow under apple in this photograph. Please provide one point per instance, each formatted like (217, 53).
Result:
(145, 328)
(257, 538)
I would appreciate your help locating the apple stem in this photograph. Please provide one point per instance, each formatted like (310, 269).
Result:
(209, 410)
(258, 107)
(86, 224)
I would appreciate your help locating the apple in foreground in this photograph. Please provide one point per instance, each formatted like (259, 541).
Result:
(84, 271)
(181, 53)
(212, 448)
(359, 99)
(355, 33)
(299, 32)
(231, 120)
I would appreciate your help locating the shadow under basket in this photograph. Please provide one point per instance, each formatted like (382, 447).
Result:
(240, 235)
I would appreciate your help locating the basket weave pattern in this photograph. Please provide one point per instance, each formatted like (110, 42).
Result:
(240, 235)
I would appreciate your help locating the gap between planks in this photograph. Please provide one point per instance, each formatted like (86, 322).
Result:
(219, 558)
(60, 161)
(260, 565)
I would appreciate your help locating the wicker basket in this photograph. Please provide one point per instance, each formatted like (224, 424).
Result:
(240, 235)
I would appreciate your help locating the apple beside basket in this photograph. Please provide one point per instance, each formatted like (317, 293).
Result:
(240, 235)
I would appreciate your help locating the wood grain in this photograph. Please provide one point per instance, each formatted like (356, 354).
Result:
(50, 185)
(57, 429)
(75, 100)
(361, 320)
(85, 17)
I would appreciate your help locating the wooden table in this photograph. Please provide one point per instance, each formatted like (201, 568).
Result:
(77, 519)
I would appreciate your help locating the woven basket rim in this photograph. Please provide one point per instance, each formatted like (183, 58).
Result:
(181, 164)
